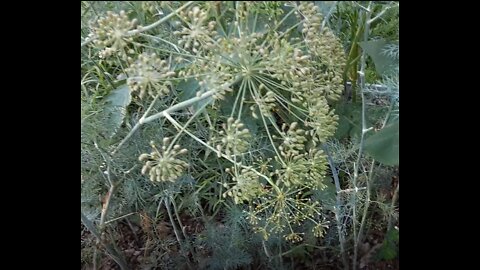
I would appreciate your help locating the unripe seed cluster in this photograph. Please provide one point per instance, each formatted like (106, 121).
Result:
(149, 75)
(163, 165)
(111, 33)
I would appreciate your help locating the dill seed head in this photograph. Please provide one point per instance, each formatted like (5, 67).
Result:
(148, 75)
(233, 139)
(111, 33)
(163, 165)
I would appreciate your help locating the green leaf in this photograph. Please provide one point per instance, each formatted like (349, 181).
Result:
(188, 89)
(389, 248)
(343, 128)
(383, 145)
(120, 97)
(349, 123)
(383, 63)
(251, 123)
(328, 196)
(115, 109)
(198, 105)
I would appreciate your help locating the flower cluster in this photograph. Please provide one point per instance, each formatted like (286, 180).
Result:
(247, 186)
(293, 140)
(317, 164)
(196, 32)
(330, 65)
(243, 51)
(293, 172)
(293, 237)
(164, 165)
(300, 168)
(218, 81)
(309, 13)
(148, 75)
(319, 229)
(233, 139)
(286, 63)
(322, 120)
(265, 104)
(111, 33)
(327, 50)
(279, 211)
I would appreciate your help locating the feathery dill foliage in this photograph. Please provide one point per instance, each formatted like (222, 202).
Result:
(228, 247)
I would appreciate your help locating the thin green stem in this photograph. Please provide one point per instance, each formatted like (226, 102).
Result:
(338, 217)
(254, 22)
(120, 217)
(185, 126)
(289, 29)
(256, 94)
(177, 214)
(111, 251)
(137, 125)
(175, 230)
(278, 95)
(367, 203)
(163, 40)
(392, 207)
(325, 20)
(175, 123)
(284, 18)
(242, 99)
(174, 108)
(367, 15)
(169, 51)
(164, 19)
(237, 98)
(379, 14)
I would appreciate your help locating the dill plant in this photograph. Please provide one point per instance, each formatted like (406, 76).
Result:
(240, 95)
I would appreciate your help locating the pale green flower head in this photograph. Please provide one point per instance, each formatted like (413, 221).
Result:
(110, 33)
(149, 75)
(232, 139)
(163, 165)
